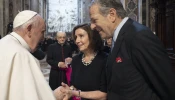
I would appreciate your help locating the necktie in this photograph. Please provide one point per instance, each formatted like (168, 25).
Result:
(112, 46)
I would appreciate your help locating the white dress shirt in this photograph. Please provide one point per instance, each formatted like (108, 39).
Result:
(117, 30)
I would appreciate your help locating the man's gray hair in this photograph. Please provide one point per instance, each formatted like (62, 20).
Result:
(60, 32)
(105, 5)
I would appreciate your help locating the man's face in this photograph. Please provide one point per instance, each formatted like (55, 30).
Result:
(61, 37)
(38, 33)
(100, 23)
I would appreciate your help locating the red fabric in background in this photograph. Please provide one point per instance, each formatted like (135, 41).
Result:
(68, 74)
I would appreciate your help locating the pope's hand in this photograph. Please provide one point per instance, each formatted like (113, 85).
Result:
(66, 90)
(58, 94)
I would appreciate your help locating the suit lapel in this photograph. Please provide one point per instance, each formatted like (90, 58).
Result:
(112, 56)
(115, 51)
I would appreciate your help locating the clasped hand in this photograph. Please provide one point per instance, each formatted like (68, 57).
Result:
(68, 60)
(63, 92)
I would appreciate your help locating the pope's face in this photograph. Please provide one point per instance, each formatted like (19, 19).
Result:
(37, 33)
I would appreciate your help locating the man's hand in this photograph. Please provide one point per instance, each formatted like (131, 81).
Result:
(68, 60)
(58, 94)
(62, 65)
(66, 90)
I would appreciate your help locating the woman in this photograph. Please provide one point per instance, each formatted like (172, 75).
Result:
(88, 77)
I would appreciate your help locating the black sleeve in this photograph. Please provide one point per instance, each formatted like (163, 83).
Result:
(103, 83)
(152, 61)
(39, 54)
(50, 55)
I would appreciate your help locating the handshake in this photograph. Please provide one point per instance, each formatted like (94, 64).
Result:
(64, 92)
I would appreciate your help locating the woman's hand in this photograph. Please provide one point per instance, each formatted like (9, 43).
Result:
(66, 90)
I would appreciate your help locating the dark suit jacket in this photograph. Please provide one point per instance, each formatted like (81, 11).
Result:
(57, 53)
(145, 72)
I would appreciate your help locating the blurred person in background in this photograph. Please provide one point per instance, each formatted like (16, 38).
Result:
(56, 55)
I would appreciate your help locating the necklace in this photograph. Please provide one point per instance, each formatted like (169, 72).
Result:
(89, 62)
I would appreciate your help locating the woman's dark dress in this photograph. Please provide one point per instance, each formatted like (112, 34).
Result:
(91, 77)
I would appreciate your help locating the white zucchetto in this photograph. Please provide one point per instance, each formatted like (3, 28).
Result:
(22, 17)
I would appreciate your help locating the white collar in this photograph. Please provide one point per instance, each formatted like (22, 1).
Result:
(117, 30)
(20, 40)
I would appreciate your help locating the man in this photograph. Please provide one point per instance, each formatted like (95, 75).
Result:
(38, 53)
(20, 74)
(138, 67)
(56, 55)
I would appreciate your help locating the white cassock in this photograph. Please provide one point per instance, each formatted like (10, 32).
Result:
(20, 74)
